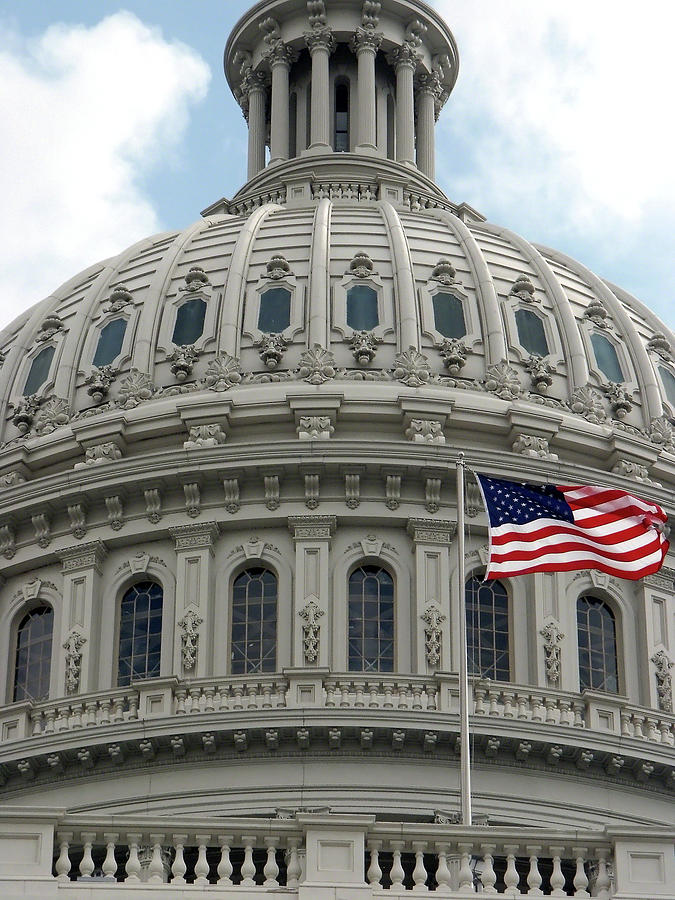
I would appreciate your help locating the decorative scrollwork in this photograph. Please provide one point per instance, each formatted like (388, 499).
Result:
(189, 626)
(433, 634)
(502, 380)
(135, 389)
(317, 365)
(311, 629)
(222, 373)
(73, 647)
(553, 637)
(664, 684)
(412, 368)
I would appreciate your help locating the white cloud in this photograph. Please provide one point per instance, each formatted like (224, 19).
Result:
(87, 113)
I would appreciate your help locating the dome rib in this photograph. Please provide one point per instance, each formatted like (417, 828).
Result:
(488, 304)
(235, 285)
(405, 291)
(319, 276)
(578, 373)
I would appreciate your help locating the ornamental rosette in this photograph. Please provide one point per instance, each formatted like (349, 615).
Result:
(587, 402)
(412, 368)
(317, 365)
(135, 389)
(661, 432)
(222, 373)
(503, 381)
(52, 415)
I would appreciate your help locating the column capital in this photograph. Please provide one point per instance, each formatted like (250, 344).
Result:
(321, 38)
(304, 528)
(431, 531)
(405, 56)
(195, 537)
(83, 556)
(428, 83)
(254, 80)
(280, 53)
(366, 39)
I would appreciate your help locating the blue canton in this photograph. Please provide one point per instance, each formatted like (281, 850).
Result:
(509, 503)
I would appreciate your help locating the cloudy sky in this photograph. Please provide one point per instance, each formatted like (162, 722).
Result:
(117, 123)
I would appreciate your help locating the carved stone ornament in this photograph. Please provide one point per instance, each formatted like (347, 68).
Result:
(52, 415)
(629, 469)
(661, 432)
(195, 280)
(98, 382)
(134, 389)
(315, 428)
(363, 346)
(405, 55)
(502, 380)
(51, 326)
(153, 505)
(454, 353)
(24, 412)
(366, 39)
(444, 272)
(412, 368)
(100, 454)
(311, 629)
(619, 399)
(433, 634)
(361, 266)
(523, 289)
(203, 436)
(73, 647)
(533, 447)
(278, 267)
(2, 359)
(425, 431)
(222, 373)
(320, 38)
(189, 626)
(587, 402)
(541, 373)
(7, 541)
(553, 637)
(12, 478)
(664, 684)
(43, 530)
(370, 13)
(182, 362)
(317, 365)
(119, 299)
(316, 12)
(271, 349)
(596, 313)
(660, 345)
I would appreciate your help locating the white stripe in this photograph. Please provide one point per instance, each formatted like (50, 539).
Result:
(518, 566)
(595, 531)
(615, 504)
(642, 540)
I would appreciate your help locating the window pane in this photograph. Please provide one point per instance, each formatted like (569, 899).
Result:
(34, 655)
(341, 131)
(254, 622)
(39, 371)
(598, 667)
(531, 333)
(487, 617)
(362, 314)
(371, 625)
(668, 380)
(606, 358)
(139, 650)
(449, 315)
(110, 342)
(274, 315)
(189, 325)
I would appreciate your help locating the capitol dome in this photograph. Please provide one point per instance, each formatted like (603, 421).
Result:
(229, 610)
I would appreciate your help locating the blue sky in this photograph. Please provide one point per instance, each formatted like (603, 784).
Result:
(118, 122)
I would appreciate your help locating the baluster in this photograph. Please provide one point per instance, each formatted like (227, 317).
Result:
(565, 706)
(537, 709)
(652, 729)
(331, 689)
(133, 699)
(638, 726)
(507, 697)
(237, 694)
(388, 690)
(118, 709)
(252, 692)
(202, 865)
(133, 863)
(493, 697)
(465, 873)
(443, 876)
(50, 718)
(511, 876)
(181, 697)
(104, 711)
(602, 882)
(625, 724)
(345, 688)
(534, 878)
(579, 714)
(431, 697)
(522, 706)
(209, 705)
(77, 718)
(417, 696)
(248, 866)
(225, 867)
(359, 700)
(109, 867)
(282, 688)
(195, 695)
(580, 878)
(374, 873)
(267, 696)
(488, 876)
(271, 869)
(479, 693)
(419, 872)
(61, 720)
(35, 718)
(293, 868)
(549, 705)
(62, 865)
(90, 714)
(179, 868)
(87, 863)
(156, 866)
(557, 877)
(397, 874)
(374, 692)
(402, 690)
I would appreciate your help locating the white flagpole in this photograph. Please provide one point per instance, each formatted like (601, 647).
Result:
(465, 759)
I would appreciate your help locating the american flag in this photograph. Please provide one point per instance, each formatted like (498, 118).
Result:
(555, 528)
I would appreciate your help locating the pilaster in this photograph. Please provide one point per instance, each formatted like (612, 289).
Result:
(431, 610)
(311, 606)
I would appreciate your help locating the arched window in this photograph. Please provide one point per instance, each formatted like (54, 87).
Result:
(607, 358)
(341, 136)
(596, 633)
(254, 622)
(531, 333)
(110, 342)
(39, 371)
(362, 314)
(274, 314)
(34, 654)
(189, 325)
(371, 620)
(140, 644)
(449, 315)
(668, 380)
(487, 625)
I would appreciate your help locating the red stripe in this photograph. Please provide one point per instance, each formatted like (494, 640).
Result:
(552, 530)
(618, 556)
(576, 565)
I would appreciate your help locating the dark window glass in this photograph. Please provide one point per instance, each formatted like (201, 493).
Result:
(293, 126)
(189, 325)
(274, 315)
(110, 342)
(140, 633)
(391, 128)
(34, 655)
(253, 645)
(668, 380)
(342, 118)
(39, 371)
(371, 620)
(362, 312)
(449, 315)
(487, 624)
(531, 332)
(606, 358)
(596, 630)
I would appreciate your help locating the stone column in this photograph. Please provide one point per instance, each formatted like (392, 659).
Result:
(254, 94)
(431, 614)
(404, 60)
(311, 606)
(321, 44)
(81, 620)
(280, 57)
(193, 631)
(365, 45)
(427, 90)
